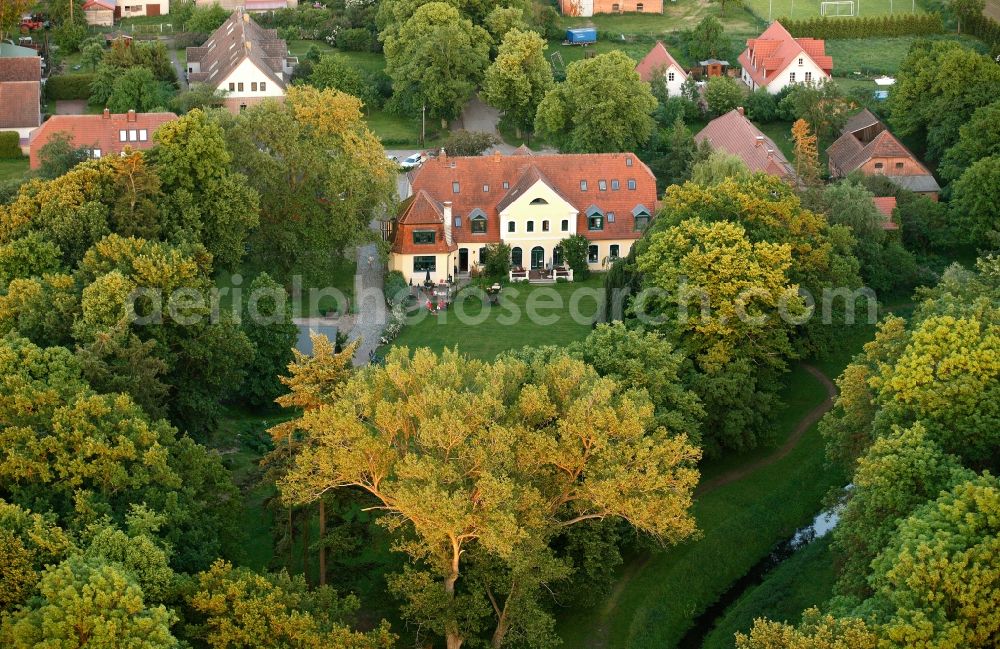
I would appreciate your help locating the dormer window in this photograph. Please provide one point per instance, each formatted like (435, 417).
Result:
(595, 218)
(478, 224)
(423, 237)
(641, 217)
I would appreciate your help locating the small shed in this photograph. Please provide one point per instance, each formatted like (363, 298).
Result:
(581, 35)
(714, 68)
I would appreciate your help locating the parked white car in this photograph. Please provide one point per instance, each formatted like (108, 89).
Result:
(413, 161)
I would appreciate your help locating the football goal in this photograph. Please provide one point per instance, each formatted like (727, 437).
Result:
(836, 8)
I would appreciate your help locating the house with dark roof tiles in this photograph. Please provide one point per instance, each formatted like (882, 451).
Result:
(20, 96)
(530, 202)
(244, 60)
(102, 135)
(866, 145)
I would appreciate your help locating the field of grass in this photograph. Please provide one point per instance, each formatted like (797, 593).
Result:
(740, 523)
(11, 169)
(396, 131)
(803, 9)
(781, 133)
(874, 56)
(492, 336)
(805, 579)
(678, 14)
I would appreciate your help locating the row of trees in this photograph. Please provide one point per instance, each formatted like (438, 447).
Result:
(916, 422)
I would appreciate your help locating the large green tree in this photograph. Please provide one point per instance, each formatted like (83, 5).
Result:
(602, 105)
(267, 322)
(436, 60)
(939, 86)
(322, 177)
(977, 139)
(518, 79)
(975, 204)
(490, 460)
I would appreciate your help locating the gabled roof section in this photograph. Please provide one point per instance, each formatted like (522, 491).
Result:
(21, 68)
(848, 152)
(775, 49)
(239, 39)
(658, 58)
(736, 135)
(421, 209)
(106, 5)
(524, 183)
(19, 104)
(885, 205)
(861, 120)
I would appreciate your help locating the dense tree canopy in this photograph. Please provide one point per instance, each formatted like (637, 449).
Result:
(602, 105)
(519, 78)
(489, 461)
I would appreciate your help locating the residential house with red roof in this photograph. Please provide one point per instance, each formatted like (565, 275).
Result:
(244, 60)
(105, 134)
(459, 205)
(736, 135)
(868, 146)
(591, 7)
(660, 62)
(100, 13)
(776, 59)
(20, 95)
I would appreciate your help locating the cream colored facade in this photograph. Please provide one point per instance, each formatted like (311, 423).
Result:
(802, 69)
(444, 263)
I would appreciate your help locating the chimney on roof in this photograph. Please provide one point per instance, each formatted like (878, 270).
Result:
(246, 16)
(443, 154)
(770, 153)
(759, 140)
(447, 223)
(107, 114)
(740, 110)
(131, 115)
(249, 44)
(497, 155)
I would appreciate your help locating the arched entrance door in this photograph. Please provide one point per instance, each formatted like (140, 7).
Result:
(516, 259)
(537, 258)
(557, 256)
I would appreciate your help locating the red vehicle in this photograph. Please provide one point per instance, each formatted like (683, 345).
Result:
(30, 24)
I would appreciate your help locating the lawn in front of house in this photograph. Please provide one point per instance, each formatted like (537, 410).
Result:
(13, 168)
(490, 330)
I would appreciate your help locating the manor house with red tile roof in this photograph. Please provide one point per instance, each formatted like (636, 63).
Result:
(459, 205)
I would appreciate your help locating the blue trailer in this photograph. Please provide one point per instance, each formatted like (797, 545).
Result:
(581, 36)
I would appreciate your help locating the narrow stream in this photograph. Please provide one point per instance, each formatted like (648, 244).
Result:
(703, 624)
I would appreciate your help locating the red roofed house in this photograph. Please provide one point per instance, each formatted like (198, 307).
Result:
(529, 202)
(776, 59)
(736, 135)
(99, 12)
(244, 60)
(659, 61)
(591, 7)
(885, 205)
(866, 144)
(20, 95)
(102, 134)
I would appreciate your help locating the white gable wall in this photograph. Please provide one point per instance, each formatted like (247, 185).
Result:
(674, 87)
(784, 78)
(248, 73)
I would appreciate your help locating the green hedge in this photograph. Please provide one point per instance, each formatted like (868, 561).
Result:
(69, 86)
(865, 27)
(10, 145)
(984, 28)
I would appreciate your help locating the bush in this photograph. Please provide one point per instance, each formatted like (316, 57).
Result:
(357, 39)
(761, 106)
(496, 262)
(722, 94)
(575, 253)
(865, 27)
(69, 86)
(185, 40)
(395, 287)
(10, 146)
(469, 143)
